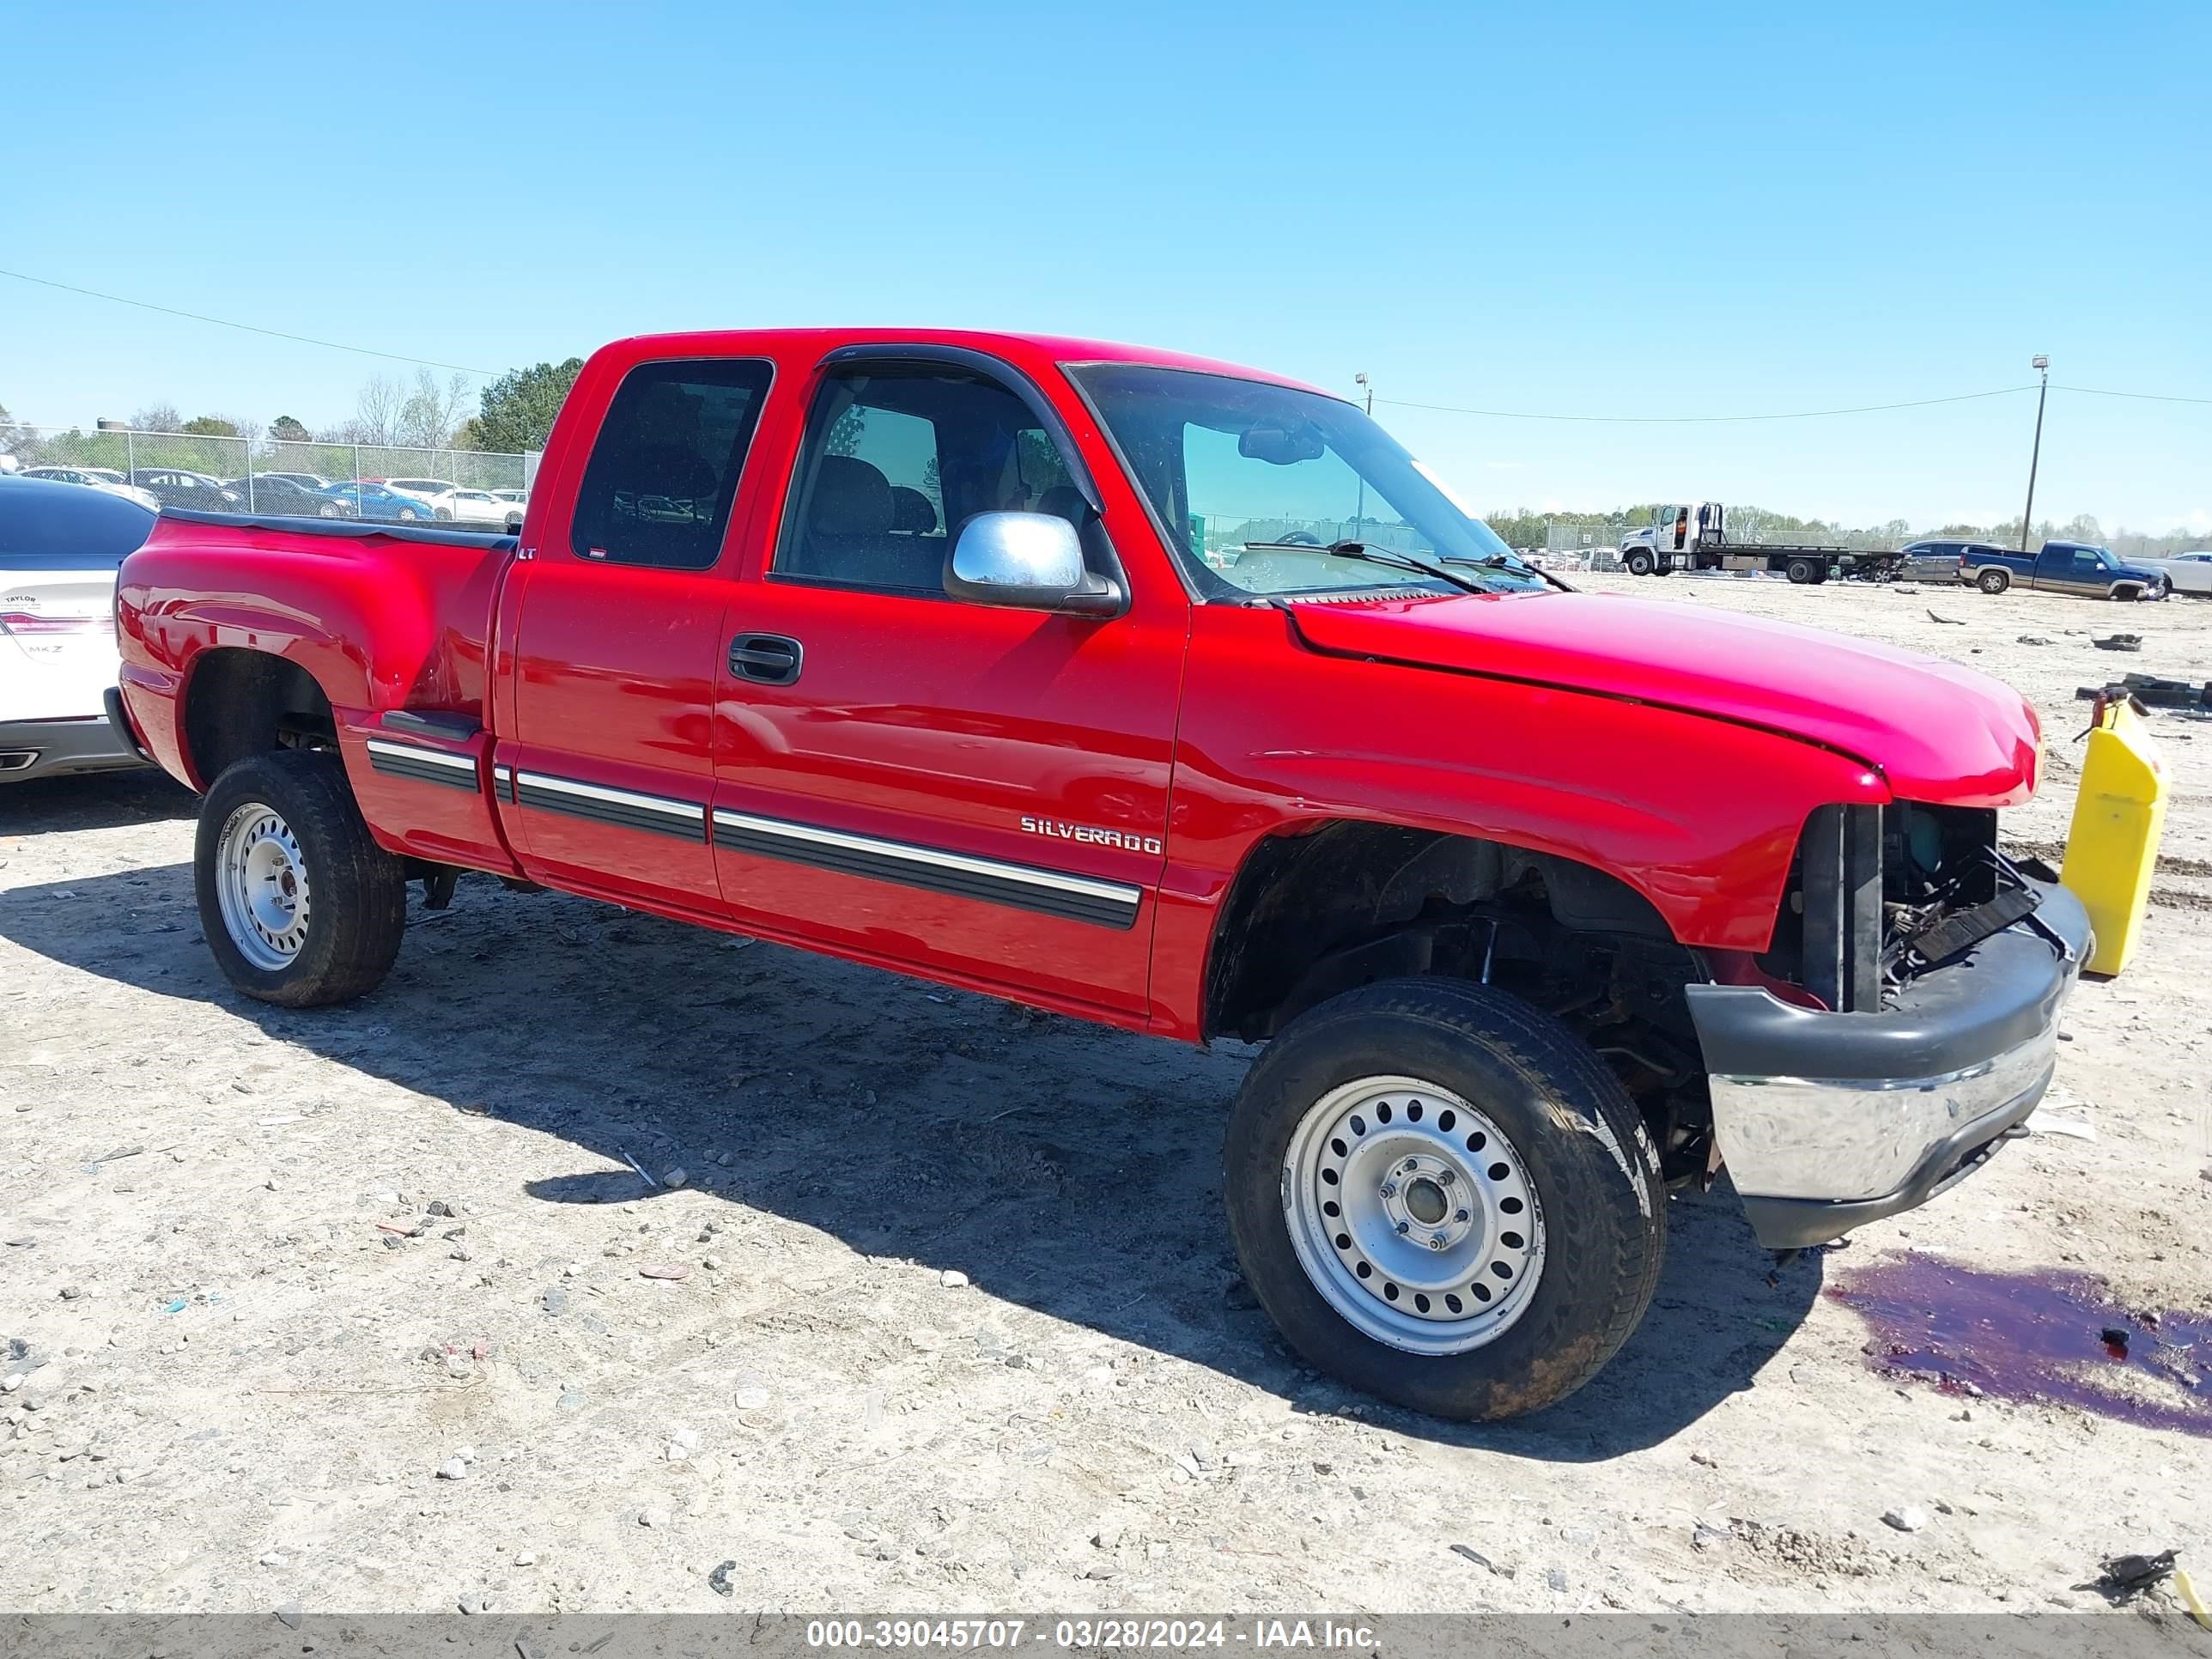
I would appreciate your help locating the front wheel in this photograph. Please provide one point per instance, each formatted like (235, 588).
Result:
(1444, 1198)
(1994, 580)
(1641, 563)
(408, 513)
(297, 903)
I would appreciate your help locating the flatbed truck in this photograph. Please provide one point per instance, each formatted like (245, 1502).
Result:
(1684, 538)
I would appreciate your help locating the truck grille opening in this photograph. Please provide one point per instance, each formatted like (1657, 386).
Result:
(1879, 895)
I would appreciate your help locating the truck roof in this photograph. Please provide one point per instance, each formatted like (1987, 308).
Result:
(1018, 347)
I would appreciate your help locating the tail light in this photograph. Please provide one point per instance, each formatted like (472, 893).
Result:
(27, 623)
(1962, 562)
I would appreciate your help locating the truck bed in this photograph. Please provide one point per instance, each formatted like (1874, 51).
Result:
(348, 529)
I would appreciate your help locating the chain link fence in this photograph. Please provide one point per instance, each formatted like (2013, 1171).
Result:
(221, 474)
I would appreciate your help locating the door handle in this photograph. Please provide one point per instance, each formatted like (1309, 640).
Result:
(769, 658)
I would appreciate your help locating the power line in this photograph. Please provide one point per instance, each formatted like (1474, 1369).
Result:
(1401, 403)
(1697, 420)
(2147, 396)
(249, 328)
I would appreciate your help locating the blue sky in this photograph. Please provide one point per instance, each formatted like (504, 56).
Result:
(1619, 210)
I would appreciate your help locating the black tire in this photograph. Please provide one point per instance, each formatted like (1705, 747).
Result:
(359, 892)
(1641, 563)
(1993, 579)
(1803, 572)
(1590, 1158)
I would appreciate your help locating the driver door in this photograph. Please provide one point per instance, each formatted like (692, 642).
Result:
(975, 790)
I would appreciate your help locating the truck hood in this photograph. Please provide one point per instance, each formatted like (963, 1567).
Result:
(1935, 732)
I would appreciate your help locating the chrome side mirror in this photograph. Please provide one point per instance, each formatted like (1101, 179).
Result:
(1027, 561)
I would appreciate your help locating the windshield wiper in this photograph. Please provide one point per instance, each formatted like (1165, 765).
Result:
(1367, 555)
(1516, 563)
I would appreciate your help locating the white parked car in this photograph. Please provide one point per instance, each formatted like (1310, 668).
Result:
(60, 545)
(437, 494)
(96, 477)
(485, 507)
(2189, 572)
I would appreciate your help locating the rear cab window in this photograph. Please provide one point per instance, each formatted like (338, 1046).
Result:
(665, 466)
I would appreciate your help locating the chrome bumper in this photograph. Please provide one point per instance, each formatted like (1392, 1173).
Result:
(1826, 1122)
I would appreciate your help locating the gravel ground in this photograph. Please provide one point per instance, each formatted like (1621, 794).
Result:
(367, 1308)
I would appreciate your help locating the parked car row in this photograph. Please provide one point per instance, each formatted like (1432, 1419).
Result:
(300, 495)
(96, 477)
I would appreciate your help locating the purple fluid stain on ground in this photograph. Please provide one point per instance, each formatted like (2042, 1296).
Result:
(2057, 1338)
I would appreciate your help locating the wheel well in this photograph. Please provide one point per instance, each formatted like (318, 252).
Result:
(1314, 913)
(241, 702)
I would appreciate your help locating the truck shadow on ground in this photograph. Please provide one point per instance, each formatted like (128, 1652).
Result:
(1063, 1167)
(98, 800)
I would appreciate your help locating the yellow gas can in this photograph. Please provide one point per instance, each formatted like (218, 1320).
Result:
(2112, 849)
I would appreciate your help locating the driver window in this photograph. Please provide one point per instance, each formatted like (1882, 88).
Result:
(898, 459)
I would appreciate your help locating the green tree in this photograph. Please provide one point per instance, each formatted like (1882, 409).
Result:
(286, 430)
(517, 409)
(209, 426)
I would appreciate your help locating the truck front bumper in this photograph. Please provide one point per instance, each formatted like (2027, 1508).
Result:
(1828, 1122)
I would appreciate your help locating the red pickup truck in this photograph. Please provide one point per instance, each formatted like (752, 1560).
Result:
(1178, 697)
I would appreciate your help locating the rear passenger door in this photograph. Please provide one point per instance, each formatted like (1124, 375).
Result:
(606, 764)
(971, 789)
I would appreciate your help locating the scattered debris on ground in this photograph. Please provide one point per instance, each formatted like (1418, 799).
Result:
(250, 1372)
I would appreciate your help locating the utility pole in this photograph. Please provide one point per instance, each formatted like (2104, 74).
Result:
(1360, 515)
(2042, 364)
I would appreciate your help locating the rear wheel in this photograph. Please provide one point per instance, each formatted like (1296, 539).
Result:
(1443, 1197)
(1803, 572)
(1641, 563)
(297, 903)
(1994, 580)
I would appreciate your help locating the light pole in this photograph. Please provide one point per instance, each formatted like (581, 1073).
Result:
(1360, 514)
(2042, 365)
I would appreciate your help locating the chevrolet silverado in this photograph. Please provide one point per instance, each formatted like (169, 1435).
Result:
(1178, 696)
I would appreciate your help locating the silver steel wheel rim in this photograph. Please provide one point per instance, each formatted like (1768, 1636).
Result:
(1412, 1215)
(261, 885)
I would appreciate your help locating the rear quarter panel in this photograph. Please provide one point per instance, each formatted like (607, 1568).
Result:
(379, 624)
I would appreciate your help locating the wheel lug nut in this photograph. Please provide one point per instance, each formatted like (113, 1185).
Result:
(1389, 1189)
(1405, 1227)
(1435, 1240)
(1461, 1216)
(1410, 1165)
(1445, 1177)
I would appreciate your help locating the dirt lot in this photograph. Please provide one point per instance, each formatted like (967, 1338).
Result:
(361, 1244)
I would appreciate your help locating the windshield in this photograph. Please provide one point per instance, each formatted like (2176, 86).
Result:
(1245, 477)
